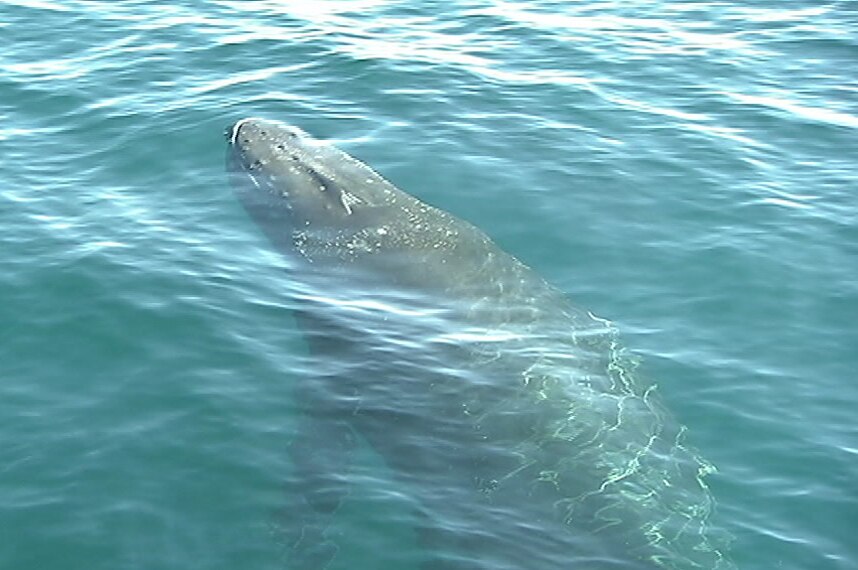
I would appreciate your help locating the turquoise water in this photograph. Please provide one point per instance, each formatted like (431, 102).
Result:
(686, 170)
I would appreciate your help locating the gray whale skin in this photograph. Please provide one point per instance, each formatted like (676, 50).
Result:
(511, 420)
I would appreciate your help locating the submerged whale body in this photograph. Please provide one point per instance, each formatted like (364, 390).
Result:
(510, 417)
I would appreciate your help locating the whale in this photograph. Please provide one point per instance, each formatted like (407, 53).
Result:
(515, 424)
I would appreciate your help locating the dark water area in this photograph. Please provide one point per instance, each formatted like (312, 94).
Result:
(686, 172)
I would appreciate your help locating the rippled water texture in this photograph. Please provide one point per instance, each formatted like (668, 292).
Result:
(685, 170)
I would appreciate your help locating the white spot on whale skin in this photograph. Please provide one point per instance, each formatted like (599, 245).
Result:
(381, 231)
(348, 200)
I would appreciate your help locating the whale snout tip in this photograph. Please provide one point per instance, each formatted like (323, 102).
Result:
(232, 131)
(266, 126)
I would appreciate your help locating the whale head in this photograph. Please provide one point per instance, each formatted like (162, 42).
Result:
(316, 201)
(282, 172)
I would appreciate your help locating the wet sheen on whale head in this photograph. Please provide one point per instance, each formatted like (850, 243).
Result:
(298, 172)
(310, 197)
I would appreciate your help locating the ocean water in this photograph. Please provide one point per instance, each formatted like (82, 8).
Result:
(687, 170)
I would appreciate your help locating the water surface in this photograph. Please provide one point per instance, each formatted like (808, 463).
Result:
(685, 170)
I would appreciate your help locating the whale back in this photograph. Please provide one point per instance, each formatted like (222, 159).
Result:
(538, 410)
